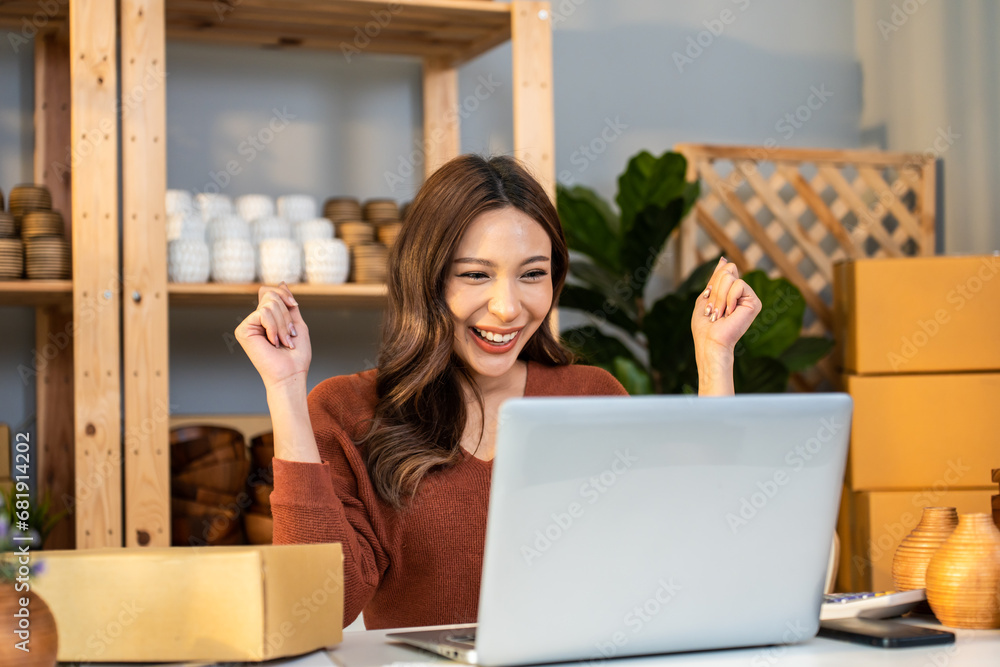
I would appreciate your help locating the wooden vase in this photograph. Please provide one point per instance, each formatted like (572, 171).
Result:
(909, 564)
(963, 577)
(43, 640)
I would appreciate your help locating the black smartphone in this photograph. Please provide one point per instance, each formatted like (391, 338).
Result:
(884, 634)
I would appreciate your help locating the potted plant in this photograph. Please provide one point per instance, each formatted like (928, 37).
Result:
(649, 347)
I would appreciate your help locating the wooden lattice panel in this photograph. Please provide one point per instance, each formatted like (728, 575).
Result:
(795, 212)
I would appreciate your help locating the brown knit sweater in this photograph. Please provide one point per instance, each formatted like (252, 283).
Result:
(418, 566)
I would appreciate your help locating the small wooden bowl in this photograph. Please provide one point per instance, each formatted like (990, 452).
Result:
(228, 477)
(189, 443)
(203, 495)
(259, 528)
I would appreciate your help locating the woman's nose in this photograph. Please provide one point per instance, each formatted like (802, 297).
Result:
(504, 303)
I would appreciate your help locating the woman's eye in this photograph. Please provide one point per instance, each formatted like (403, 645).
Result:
(536, 274)
(475, 275)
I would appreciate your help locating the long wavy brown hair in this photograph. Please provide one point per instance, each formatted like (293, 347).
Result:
(420, 412)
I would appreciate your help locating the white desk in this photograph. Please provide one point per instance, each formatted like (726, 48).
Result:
(978, 648)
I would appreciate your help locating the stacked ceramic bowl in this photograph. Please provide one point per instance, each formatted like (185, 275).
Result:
(27, 198)
(46, 252)
(11, 249)
(209, 467)
(381, 210)
(338, 209)
(370, 261)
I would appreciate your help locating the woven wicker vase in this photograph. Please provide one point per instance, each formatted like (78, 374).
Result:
(909, 565)
(963, 577)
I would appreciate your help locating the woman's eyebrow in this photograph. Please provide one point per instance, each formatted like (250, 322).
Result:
(486, 262)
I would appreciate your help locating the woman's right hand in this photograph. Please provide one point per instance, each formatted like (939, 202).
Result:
(275, 337)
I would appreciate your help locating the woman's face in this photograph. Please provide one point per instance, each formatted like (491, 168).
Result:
(499, 289)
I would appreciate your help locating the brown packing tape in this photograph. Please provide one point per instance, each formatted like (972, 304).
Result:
(996, 474)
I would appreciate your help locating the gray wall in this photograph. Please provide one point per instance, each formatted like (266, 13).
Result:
(354, 122)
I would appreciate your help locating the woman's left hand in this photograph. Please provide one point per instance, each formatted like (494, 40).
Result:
(722, 314)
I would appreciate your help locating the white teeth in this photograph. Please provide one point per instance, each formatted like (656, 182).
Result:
(495, 337)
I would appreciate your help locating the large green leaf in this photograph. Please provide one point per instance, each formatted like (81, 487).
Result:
(805, 352)
(589, 225)
(779, 322)
(633, 377)
(594, 303)
(614, 288)
(644, 242)
(667, 326)
(760, 375)
(651, 181)
(595, 347)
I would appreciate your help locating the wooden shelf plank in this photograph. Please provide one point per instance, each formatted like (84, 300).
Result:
(35, 292)
(349, 295)
(454, 29)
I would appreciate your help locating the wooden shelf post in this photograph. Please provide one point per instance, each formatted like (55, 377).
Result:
(441, 125)
(54, 323)
(96, 283)
(534, 125)
(144, 240)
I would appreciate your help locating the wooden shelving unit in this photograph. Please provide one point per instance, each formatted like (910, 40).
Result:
(78, 57)
(78, 435)
(443, 34)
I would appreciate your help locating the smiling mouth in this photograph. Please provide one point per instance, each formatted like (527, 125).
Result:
(495, 338)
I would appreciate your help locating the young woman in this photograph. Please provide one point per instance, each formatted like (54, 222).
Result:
(394, 463)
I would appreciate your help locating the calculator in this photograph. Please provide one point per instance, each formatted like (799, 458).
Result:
(885, 604)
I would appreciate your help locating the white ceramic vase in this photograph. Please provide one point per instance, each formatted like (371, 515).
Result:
(280, 260)
(188, 226)
(314, 228)
(232, 261)
(326, 261)
(252, 207)
(228, 227)
(188, 261)
(212, 205)
(179, 201)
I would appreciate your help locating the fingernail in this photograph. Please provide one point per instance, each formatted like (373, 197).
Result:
(715, 315)
(291, 344)
(291, 329)
(294, 302)
(708, 290)
(708, 311)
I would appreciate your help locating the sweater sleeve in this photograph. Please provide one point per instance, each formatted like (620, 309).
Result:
(332, 502)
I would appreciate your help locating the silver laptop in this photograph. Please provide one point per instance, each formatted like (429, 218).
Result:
(629, 526)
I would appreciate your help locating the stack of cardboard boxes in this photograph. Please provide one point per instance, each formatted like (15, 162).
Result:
(919, 341)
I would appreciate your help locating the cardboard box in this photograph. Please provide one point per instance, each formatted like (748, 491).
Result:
(918, 314)
(882, 520)
(915, 431)
(194, 603)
